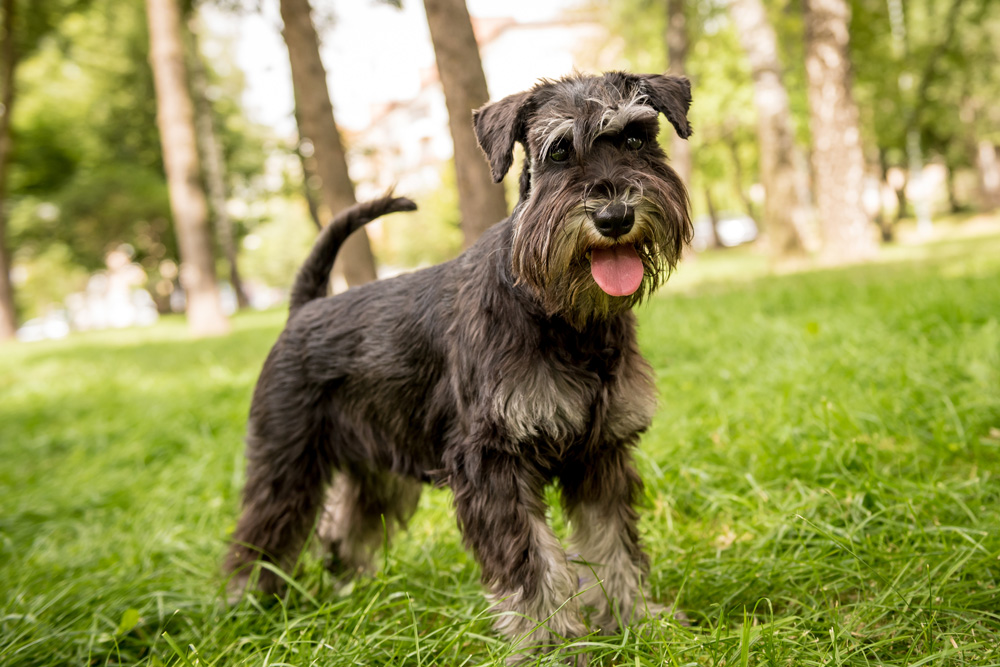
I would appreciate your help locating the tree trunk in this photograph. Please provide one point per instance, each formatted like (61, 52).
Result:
(989, 173)
(783, 209)
(8, 310)
(734, 153)
(480, 200)
(901, 200)
(677, 50)
(954, 206)
(884, 224)
(308, 172)
(215, 166)
(713, 216)
(838, 161)
(317, 125)
(932, 67)
(175, 118)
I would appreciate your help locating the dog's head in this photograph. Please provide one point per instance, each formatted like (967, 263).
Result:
(602, 217)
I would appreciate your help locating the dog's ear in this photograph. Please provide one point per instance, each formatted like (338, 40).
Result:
(671, 96)
(498, 125)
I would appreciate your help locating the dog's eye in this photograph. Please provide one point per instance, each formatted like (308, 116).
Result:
(633, 142)
(559, 152)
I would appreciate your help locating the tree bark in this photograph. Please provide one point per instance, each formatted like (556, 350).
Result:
(713, 216)
(481, 201)
(882, 219)
(989, 173)
(8, 309)
(215, 167)
(677, 50)
(954, 206)
(734, 153)
(838, 161)
(308, 172)
(318, 126)
(901, 199)
(783, 209)
(175, 118)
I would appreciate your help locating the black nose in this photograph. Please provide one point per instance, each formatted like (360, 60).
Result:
(614, 220)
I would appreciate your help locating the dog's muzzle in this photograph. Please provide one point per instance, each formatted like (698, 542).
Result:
(615, 267)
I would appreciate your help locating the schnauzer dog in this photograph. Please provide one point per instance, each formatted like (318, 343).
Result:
(511, 367)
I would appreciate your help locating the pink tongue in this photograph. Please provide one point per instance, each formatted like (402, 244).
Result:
(617, 271)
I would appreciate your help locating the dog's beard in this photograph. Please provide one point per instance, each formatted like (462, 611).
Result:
(554, 238)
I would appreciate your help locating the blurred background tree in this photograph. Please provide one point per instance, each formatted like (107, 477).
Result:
(838, 162)
(215, 166)
(87, 174)
(676, 38)
(25, 24)
(783, 206)
(318, 129)
(188, 203)
(8, 52)
(480, 201)
(922, 69)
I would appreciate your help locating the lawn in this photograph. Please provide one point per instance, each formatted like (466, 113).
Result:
(822, 488)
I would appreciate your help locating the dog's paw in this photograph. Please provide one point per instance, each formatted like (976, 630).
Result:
(608, 621)
(572, 657)
(544, 643)
(236, 589)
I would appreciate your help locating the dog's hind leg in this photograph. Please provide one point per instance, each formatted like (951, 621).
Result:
(362, 509)
(599, 498)
(281, 498)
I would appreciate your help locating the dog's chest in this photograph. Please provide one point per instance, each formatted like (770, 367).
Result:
(565, 399)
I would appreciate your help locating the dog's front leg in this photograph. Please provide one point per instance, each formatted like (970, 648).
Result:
(498, 500)
(599, 497)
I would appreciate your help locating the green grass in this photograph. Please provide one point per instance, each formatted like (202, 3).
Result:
(822, 488)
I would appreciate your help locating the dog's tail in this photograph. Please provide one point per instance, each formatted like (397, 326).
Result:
(311, 281)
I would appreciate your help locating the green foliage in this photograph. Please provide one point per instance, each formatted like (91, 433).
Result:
(48, 277)
(279, 245)
(85, 140)
(431, 235)
(244, 144)
(98, 209)
(820, 489)
(87, 169)
(722, 110)
(641, 25)
(938, 78)
(786, 18)
(876, 68)
(36, 20)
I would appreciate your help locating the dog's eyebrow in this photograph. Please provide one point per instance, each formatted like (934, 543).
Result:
(615, 118)
(554, 130)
